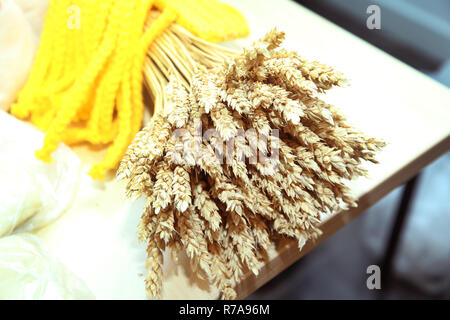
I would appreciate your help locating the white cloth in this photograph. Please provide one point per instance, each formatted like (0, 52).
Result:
(32, 193)
(28, 271)
(20, 27)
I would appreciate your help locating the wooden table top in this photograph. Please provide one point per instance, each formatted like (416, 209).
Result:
(387, 99)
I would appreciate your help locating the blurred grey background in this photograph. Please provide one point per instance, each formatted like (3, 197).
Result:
(416, 32)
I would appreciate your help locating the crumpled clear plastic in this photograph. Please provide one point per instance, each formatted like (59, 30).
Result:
(20, 26)
(32, 193)
(29, 272)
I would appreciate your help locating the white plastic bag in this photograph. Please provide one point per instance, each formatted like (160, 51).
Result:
(34, 11)
(20, 26)
(28, 271)
(32, 193)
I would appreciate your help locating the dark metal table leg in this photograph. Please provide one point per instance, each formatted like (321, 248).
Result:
(396, 232)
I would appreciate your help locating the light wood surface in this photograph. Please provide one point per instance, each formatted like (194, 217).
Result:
(387, 99)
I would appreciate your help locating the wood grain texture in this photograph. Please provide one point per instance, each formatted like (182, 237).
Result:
(387, 99)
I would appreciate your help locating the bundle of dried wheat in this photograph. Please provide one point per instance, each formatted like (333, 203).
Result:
(248, 155)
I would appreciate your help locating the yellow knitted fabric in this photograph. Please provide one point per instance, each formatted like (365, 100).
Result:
(210, 20)
(86, 82)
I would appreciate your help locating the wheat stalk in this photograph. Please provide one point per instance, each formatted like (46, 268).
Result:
(225, 215)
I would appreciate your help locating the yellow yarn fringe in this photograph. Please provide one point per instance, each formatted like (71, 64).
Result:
(86, 82)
